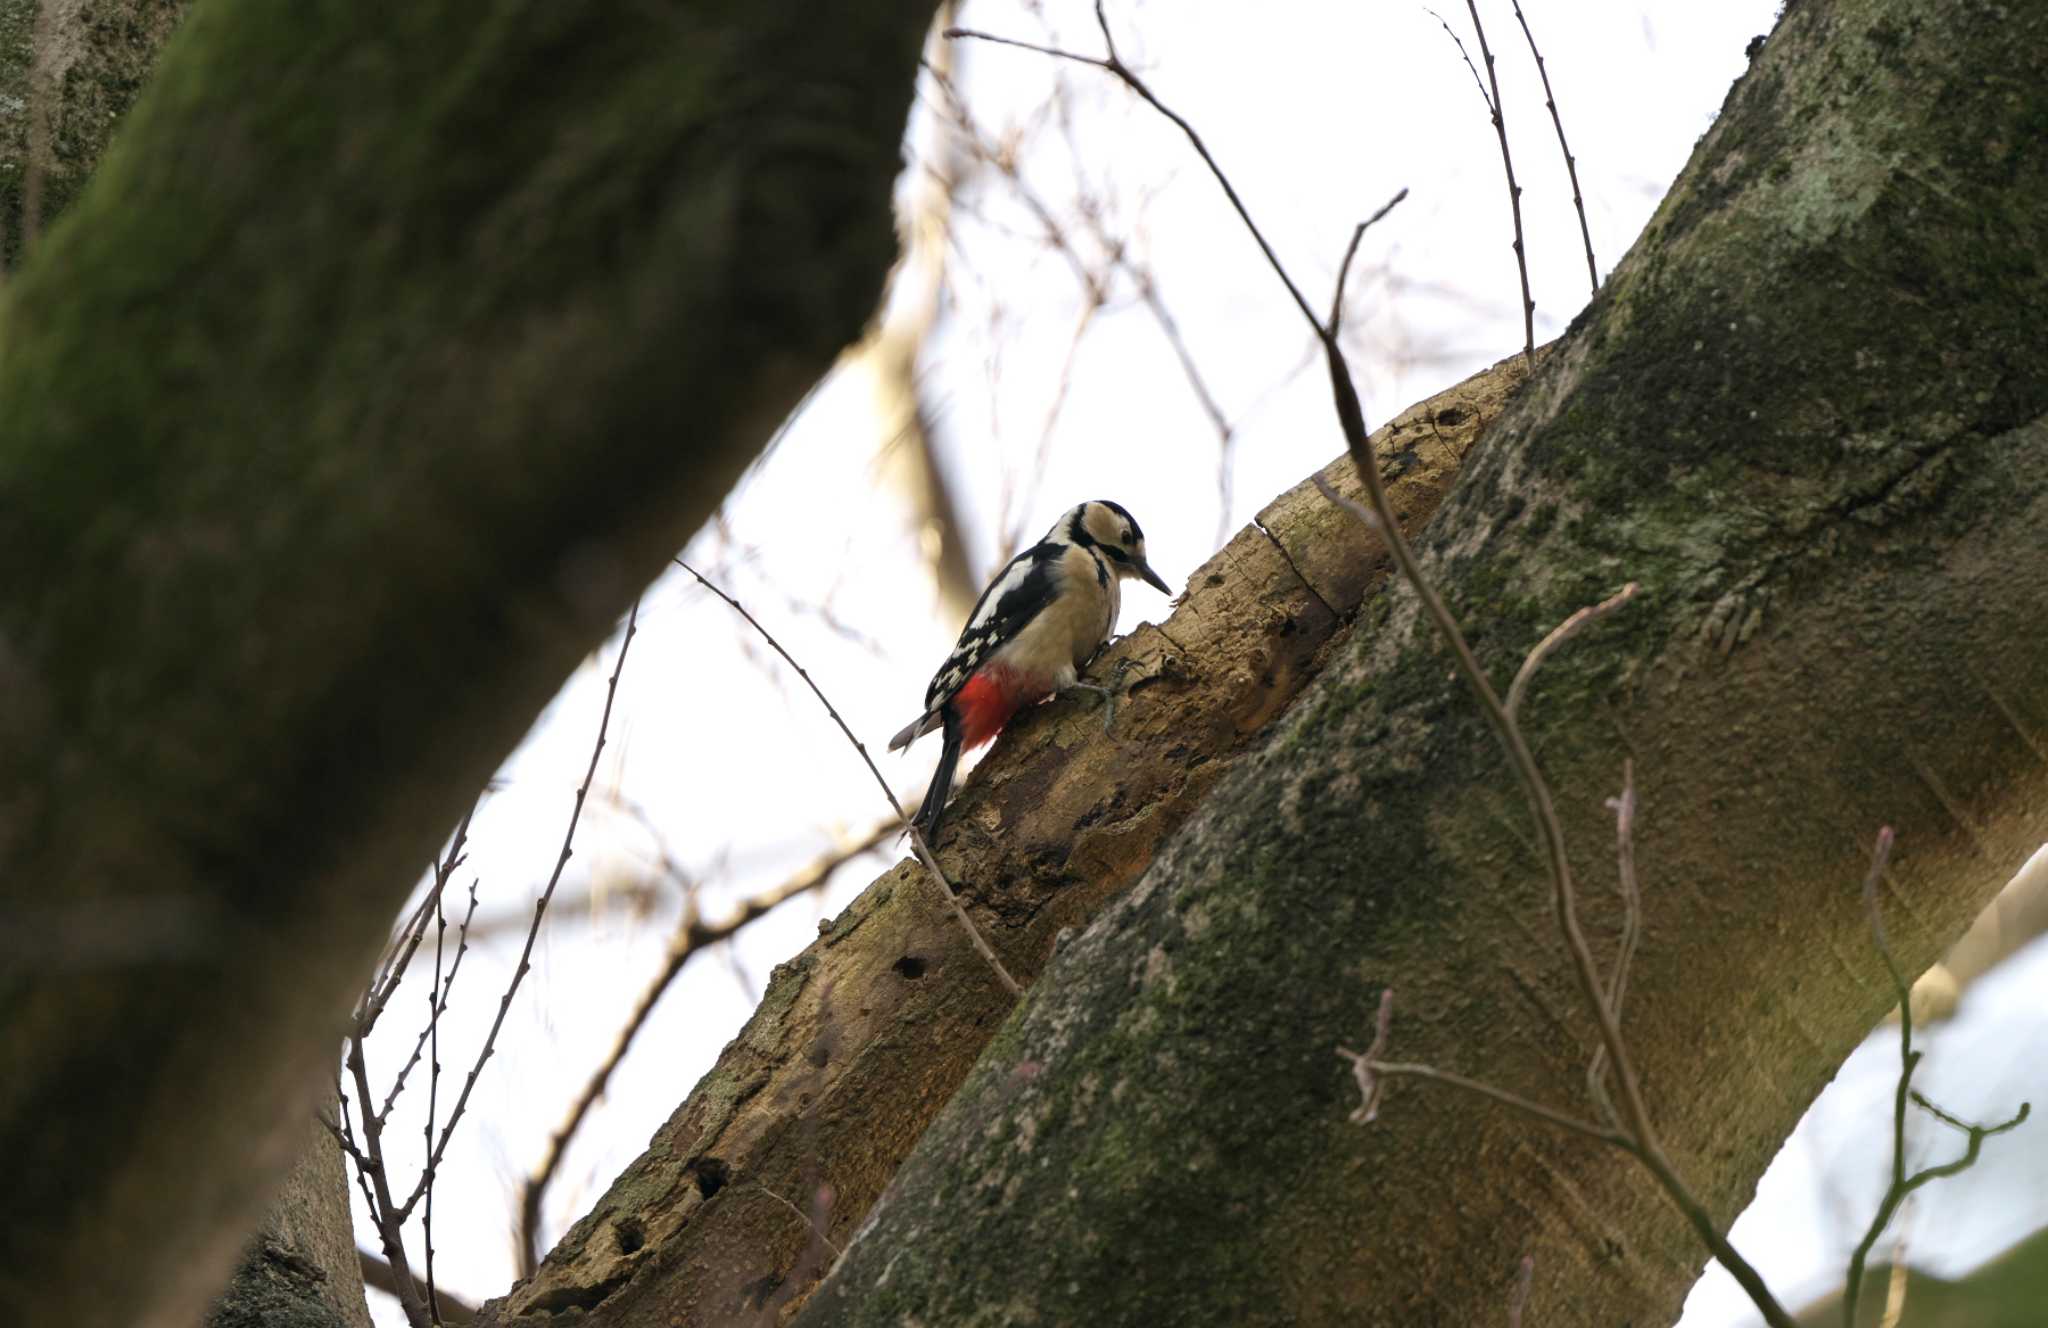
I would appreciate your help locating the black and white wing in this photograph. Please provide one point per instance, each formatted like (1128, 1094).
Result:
(1019, 593)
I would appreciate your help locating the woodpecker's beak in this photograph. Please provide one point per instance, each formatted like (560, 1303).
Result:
(1154, 580)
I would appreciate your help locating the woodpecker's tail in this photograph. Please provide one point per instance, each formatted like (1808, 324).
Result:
(914, 730)
(933, 809)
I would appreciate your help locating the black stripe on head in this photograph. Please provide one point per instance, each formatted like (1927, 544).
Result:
(1077, 527)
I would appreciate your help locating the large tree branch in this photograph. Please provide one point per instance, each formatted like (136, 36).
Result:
(861, 1038)
(386, 356)
(1810, 416)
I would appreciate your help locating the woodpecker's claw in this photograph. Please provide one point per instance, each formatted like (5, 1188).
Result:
(1108, 696)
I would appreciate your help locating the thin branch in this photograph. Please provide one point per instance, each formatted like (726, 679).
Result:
(378, 996)
(1563, 1120)
(1351, 251)
(806, 1219)
(692, 936)
(1903, 1184)
(922, 850)
(1571, 164)
(1114, 65)
(377, 1275)
(436, 1002)
(1463, 54)
(1507, 161)
(1370, 1088)
(419, 1043)
(1525, 1281)
(1560, 634)
(540, 908)
(1624, 809)
(375, 1177)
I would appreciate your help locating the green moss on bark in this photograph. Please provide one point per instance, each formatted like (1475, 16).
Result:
(386, 355)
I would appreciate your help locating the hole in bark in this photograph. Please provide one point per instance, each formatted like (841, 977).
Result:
(629, 1234)
(910, 966)
(711, 1174)
(1450, 416)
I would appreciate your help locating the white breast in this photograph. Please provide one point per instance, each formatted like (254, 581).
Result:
(1053, 646)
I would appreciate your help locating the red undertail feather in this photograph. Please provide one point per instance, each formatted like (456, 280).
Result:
(989, 698)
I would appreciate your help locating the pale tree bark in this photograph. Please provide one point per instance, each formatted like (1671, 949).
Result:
(1809, 415)
(385, 357)
(861, 1038)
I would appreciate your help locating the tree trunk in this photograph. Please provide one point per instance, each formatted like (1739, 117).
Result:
(385, 357)
(301, 1270)
(862, 1038)
(1807, 415)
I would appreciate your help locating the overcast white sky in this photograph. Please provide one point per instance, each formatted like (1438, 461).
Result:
(1320, 110)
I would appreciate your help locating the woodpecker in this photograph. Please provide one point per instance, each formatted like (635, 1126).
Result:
(1049, 609)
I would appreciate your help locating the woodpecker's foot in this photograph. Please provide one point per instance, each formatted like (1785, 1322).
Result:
(1108, 695)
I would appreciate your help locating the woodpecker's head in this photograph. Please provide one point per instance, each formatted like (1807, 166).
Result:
(1107, 527)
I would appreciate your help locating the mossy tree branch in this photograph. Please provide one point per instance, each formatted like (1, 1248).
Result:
(385, 357)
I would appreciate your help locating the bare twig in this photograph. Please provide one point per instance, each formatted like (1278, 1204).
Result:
(1370, 1073)
(1903, 1184)
(809, 1221)
(1464, 55)
(419, 1043)
(918, 846)
(374, 1175)
(1500, 129)
(540, 908)
(1369, 1086)
(1624, 809)
(1518, 1299)
(1114, 65)
(692, 936)
(377, 1275)
(1560, 634)
(1571, 164)
(1507, 161)
(378, 994)
(1528, 1107)
(436, 1003)
(1351, 252)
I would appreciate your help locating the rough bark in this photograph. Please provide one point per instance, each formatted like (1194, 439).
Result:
(301, 1269)
(1807, 415)
(863, 1037)
(69, 69)
(385, 356)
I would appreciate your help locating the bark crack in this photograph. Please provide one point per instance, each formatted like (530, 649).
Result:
(1294, 567)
